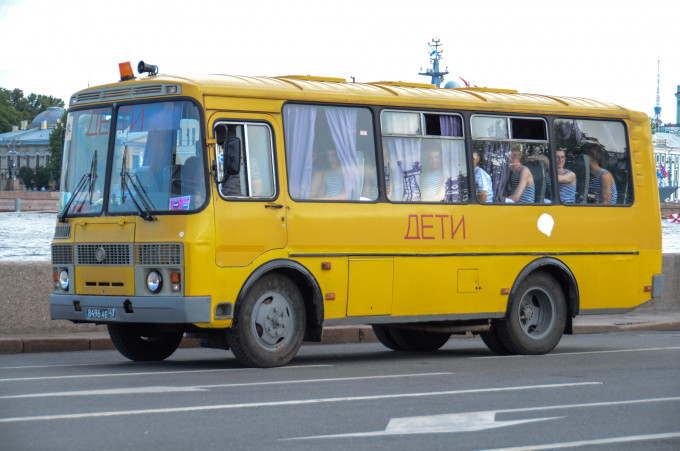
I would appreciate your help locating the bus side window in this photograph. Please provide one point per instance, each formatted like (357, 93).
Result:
(510, 156)
(424, 157)
(596, 151)
(255, 176)
(330, 153)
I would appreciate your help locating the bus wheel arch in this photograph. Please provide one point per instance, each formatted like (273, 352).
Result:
(305, 282)
(269, 322)
(561, 272)
(542, 302)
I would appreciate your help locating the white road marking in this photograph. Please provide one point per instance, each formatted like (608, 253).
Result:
(30, 367)
(108, 391)
(436, 424)
(296, 402)
(330, 379)
(558, 354)
(144, 390)
(473, 421)
(600, 441)
(145, 373)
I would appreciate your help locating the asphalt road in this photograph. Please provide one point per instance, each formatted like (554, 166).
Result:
(602, 391)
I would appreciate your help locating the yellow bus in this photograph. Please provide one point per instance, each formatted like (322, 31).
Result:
(251, 212)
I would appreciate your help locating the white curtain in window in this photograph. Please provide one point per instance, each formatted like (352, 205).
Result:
(401, 123)
(343, 125)
(299, 137)
(404, 167)
(453, 165)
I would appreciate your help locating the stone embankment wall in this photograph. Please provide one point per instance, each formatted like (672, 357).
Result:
(29, 200)
(26, 286)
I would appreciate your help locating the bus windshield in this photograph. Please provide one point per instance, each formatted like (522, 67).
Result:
(157, 164)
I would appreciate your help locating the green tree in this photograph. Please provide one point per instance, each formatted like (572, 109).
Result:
(42, 177)
(26, 175)
(14, 107)
(55, 148)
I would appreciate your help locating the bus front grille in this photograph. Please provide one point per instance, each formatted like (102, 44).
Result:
(158, 254)
(108, 254)
(62, 254)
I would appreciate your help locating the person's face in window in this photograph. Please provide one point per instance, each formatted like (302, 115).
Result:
(435, 160)
(333, 160)
(560, 159)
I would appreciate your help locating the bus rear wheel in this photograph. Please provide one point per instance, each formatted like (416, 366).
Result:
(493, 341)
(417, 340)
(384, 336)
(269, 325)
(144, 342)
(537, 316)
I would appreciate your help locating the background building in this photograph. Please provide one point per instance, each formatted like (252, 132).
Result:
(28, 144)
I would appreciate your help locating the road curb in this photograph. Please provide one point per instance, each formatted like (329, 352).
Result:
(331, 335)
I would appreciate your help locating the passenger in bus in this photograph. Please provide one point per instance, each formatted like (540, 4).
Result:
(329, 181)
(431, 180)
(602, 187)
(483, 184)
(566, 179)
(520, 185)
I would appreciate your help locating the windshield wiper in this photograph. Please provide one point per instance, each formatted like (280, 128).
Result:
(139, 190)
(88, 180)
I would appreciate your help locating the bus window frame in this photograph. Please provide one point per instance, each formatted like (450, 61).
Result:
(465, 127)
(509, 128)
(377, 149)
(246, 147)
(115, 106)
(627, 148)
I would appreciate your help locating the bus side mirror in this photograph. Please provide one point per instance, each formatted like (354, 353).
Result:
(232, 159)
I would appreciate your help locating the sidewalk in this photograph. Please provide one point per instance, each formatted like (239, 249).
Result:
(639, 320)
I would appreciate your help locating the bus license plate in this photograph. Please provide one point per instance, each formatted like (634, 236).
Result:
(101, 313)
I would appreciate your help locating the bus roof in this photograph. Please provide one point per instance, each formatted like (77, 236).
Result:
(311, 88)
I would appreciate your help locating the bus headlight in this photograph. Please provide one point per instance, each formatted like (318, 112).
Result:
(154, 281)
(63, 280)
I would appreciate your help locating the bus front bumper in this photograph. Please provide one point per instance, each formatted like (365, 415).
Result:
(131, 309)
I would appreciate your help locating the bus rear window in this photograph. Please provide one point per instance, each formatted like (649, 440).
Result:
(598, 153)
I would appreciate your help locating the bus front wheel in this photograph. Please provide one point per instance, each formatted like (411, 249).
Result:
(269, 325)
(537, 316)
(144, 342)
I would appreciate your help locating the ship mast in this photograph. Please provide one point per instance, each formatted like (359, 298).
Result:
(436, 75)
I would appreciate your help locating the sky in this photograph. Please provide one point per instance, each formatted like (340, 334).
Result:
(599, 49)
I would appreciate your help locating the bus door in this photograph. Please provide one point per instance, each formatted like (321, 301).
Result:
(250, 215)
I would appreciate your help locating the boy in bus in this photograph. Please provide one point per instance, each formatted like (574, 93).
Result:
(329, 183)
(602, 188)
(521, 182)
(483, 184)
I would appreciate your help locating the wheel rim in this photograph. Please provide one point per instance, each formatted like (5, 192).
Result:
(273, 321)
(536, 313)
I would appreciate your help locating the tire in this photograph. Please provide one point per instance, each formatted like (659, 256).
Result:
(493, 341)
(385, 337)
(269, 324)
(418, 340)
(537, 316)
(144, 343)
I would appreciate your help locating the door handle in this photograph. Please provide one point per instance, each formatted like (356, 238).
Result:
(273, 206)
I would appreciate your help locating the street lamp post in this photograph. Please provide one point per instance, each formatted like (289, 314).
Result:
(11, 166)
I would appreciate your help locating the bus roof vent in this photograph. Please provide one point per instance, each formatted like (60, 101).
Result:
(493, 90)
(313, 78)
(127, 92)
(403, 84)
